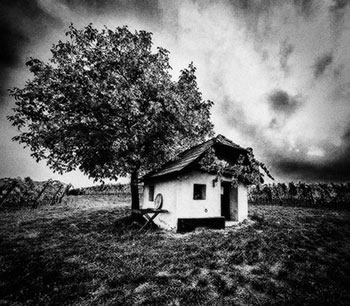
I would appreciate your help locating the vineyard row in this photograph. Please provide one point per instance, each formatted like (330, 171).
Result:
(17, 193)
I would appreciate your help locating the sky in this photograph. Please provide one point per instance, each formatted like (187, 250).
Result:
(277, 71)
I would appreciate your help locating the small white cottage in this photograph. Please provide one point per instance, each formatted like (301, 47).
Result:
(193, 197)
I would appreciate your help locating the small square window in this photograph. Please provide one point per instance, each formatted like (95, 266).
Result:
(151, 193)
(199, 191)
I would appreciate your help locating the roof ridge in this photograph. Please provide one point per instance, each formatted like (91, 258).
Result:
(220, 136)
(197, 145)
(190, 155)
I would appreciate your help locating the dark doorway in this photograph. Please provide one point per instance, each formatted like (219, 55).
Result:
(225, 200)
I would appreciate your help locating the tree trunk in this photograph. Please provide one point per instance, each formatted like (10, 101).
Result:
(135, 202)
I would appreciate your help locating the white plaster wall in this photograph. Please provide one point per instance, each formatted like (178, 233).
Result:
(242, 202)
(178, 200)
(187, 207)
(168, 189)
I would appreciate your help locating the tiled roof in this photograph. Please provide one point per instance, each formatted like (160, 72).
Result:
(191, 155)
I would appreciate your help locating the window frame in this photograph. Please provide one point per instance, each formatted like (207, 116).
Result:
(199, 190)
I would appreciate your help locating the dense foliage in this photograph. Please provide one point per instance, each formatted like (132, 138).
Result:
(246, 169)
(106, 103)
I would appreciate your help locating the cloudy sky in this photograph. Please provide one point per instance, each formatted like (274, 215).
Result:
(278, 72)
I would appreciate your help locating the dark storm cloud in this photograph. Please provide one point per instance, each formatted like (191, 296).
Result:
(281, 102)
(337, 12)
(21, 23)
(148, 9)
(300, 169)
(305, 7)
(339, 5)
(12, 39)
(336, 167)
(286, 49)
(322, 63)
(257, 8)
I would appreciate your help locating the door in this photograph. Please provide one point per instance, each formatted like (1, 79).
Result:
(225, 200)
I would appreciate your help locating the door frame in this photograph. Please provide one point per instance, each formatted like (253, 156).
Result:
(225, 205)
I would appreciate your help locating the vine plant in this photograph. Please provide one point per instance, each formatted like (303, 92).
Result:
(247, 169)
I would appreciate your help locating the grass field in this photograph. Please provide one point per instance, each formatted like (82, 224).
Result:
(86, 252)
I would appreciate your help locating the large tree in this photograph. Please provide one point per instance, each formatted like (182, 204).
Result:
(105, 103)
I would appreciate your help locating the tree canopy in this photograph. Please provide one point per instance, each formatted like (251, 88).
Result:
(105, 103)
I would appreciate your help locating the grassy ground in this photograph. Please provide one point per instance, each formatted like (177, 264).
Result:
(85, 252)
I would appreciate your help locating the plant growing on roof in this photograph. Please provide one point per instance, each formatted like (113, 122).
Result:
(105, 103)
(245, 169)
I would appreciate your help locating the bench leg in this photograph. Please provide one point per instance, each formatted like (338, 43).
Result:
(149, 220)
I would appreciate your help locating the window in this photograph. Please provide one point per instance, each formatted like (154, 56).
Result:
(151, 193)
(199, 192)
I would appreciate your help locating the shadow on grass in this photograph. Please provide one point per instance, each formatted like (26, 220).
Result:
(97, 256)
(42, 260)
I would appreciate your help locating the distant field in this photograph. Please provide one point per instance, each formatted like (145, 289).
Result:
(85, 252)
